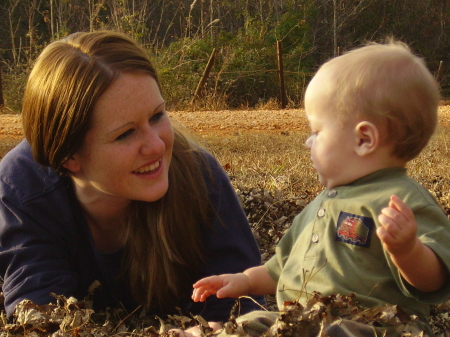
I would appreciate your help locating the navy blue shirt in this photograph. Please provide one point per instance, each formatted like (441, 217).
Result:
(46, 245)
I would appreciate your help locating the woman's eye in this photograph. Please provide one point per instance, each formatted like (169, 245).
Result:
(125, 134)
(156, 117)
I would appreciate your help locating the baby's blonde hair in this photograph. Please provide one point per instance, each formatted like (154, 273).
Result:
(390, 86)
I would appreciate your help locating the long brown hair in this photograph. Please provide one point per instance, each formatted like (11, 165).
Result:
(164, 242)
(163, 267)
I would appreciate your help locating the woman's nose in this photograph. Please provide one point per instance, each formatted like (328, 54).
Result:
(152, 141)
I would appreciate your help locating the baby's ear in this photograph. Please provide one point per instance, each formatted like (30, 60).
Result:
(367, 138)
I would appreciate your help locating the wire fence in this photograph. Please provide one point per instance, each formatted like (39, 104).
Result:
(251, 87)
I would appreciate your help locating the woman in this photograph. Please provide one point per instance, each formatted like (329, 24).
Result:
(104, 188)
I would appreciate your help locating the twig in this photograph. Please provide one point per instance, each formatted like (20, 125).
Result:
(123, 320)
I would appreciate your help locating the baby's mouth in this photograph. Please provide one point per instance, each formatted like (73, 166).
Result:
(148, 168)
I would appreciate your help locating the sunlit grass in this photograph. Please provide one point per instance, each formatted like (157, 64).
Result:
(278, 163)
(431, 168)
(281, 163)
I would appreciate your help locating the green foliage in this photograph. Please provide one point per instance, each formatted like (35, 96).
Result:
(245, 71)
(14, 80)
(128, 21)
(248, 65)
(182, 35)
(180, 66)
(295, 32)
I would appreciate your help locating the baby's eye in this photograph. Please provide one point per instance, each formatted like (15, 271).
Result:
(125, 134)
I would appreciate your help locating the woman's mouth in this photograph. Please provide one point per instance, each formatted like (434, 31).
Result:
(148, 168)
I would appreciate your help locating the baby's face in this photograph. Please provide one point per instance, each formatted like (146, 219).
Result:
(332, 142)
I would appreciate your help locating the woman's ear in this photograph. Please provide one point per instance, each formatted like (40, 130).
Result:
(367, 138)
(72, 164)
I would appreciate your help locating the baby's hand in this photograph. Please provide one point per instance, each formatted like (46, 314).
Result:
(226, 285)
(399, 227)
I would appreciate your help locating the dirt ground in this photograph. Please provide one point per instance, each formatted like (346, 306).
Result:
(209, 122)
(200, 122)
(204, 122)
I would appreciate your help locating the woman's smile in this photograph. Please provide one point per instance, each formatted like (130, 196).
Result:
(131, 137)
(149, 168)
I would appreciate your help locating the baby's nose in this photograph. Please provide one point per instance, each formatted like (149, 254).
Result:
(308, 142)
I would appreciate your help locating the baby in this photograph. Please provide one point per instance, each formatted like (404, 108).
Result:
(371, 111)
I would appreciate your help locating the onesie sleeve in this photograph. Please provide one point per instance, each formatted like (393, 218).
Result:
(230, 245)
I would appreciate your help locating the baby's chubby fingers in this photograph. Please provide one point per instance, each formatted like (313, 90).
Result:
(225, 285)
(398, 226)
(201, 294)
(212, 282)
(389, 228)
(388, 225)
(401, 207)
(396, 217)
(206, 287)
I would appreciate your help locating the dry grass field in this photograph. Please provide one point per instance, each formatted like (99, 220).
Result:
(263, 150)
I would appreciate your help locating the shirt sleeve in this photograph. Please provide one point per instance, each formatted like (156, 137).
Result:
(33, 262)
(42, 245)
(434, 232)
(230, 246)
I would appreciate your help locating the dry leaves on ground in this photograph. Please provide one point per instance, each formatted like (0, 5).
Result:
(270, 215)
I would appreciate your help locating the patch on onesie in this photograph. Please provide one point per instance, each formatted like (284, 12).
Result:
(354, 229)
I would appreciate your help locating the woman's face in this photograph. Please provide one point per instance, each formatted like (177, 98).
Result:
(127, 151)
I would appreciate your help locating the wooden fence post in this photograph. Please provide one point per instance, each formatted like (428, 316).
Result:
(281, 75)
(2, 101)
(439, 72)
(201, 84)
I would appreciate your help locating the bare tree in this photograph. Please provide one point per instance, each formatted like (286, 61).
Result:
(344, 11)
(13, 28)
(32, 8)
(93, 9)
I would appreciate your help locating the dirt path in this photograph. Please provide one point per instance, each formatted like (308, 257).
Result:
(224, 122)
(200, 122)
(205, 122)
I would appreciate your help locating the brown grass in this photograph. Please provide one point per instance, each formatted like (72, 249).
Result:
(281, 163)
(273, 162)
(264, 149)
